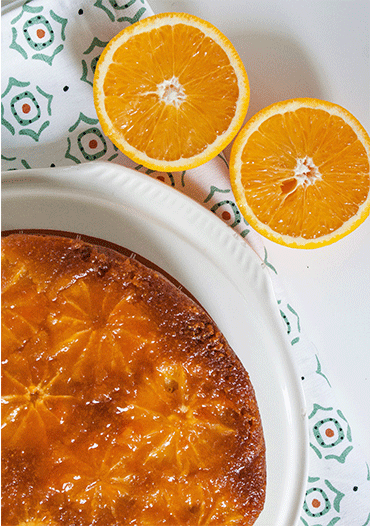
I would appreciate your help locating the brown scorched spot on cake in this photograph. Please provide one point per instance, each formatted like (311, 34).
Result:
(123, 404)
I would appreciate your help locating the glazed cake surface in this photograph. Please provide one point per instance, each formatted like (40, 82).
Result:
(123, 404)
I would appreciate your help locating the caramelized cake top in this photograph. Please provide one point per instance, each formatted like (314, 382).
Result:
(123, 404)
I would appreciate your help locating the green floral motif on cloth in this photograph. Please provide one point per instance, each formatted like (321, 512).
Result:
(89, 63)
(319, 370)
(86, 142)
(227, 208)
(214, 189)
(267, 262)
(232, 210)
(25, 111)
(322, 501)
(16, 164)
(290, 318)
(114, 10)
(331, 434)
(37, 36)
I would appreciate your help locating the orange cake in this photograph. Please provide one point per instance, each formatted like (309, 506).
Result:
(123, 404)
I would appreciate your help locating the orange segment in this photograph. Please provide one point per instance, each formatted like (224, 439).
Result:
(177, 426)
(170, 91)
(21, 316)
(35, 408)
(300, 172)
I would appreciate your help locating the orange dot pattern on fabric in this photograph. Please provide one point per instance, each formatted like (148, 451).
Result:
(93, 144)
(226, 215)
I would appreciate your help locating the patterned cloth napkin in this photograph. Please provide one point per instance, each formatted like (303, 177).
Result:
(49, 52)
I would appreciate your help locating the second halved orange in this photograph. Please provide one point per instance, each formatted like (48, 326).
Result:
(299, 171)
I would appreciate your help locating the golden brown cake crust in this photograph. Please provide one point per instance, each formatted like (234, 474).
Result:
(123, 404)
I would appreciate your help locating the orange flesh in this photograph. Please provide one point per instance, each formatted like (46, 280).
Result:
(205, 83)
(337, 177)
(108, 417)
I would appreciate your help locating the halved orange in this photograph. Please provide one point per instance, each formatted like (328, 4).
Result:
(171, 91)
(299, 171)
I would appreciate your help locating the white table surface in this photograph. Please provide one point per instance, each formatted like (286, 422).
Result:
(317, 48)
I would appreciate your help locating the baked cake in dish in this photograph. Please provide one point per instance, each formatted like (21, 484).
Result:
(123, 403)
